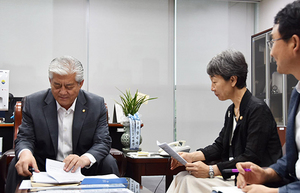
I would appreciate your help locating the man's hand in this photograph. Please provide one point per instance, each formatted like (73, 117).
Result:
(257, 175)
(198, 169)
(74, 161)
(259, 188)
(26, 160)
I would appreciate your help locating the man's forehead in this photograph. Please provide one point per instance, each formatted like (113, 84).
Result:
(64, 81)
(275, 31)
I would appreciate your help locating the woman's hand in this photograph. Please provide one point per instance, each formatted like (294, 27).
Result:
(186, 156)
(198, 169)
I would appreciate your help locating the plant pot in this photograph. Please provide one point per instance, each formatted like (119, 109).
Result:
(125, 139)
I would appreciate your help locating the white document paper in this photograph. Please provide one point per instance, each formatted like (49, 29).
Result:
(106, 176)
(55, 174)
(25, 184)
(55, 169)
(171, 152)
(43, 177)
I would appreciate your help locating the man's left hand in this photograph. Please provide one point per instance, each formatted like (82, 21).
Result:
(259, 188)
(74, 161)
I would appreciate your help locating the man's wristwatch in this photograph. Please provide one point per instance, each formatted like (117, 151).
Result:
(211, 172)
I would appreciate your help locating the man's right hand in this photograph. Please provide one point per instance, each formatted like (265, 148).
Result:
(26, 160)
(257, 175)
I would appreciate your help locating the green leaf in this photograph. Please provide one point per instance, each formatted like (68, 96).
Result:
(131, 104)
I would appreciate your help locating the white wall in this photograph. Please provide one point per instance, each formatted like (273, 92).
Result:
(129, 44)
(131, 47)
(267, 11)
(122, 44)
(204, 29)
(34, 32)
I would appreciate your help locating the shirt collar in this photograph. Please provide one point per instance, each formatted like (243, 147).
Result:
(71, 108)
(298, 87)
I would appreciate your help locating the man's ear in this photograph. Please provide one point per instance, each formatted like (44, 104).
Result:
(296, 43)
(81, 83)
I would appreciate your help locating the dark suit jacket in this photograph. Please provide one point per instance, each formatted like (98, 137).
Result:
(39, 129)
(285, 167)
(255, 136)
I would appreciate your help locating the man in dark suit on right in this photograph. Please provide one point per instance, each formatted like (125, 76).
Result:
(285, 49)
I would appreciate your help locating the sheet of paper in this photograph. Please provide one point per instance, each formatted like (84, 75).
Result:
(55, 169)
(171, 152)
(107, 176)
(43, 177)
(25, 184)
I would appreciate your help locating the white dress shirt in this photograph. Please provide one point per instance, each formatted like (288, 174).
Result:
(297, 136)
(65, 125)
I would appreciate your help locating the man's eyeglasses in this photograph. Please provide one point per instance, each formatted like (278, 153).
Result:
(271, 42)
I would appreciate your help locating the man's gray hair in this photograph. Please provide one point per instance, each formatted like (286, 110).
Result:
(65, 65)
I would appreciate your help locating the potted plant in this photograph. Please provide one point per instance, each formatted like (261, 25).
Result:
(130, 105)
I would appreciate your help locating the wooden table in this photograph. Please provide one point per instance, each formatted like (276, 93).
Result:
(150, 166)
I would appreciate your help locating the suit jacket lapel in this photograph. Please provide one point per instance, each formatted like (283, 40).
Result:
(291, 152)
(79, 117)
(50, 113)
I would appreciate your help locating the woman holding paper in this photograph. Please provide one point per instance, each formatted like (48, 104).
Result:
(249, 132)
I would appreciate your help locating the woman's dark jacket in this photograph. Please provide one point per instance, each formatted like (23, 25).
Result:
(255, 137)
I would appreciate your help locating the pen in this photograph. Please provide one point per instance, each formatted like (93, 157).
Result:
(235, 170)
(31, 169)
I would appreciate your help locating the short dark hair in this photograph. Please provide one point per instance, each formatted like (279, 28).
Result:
(227, 64)
(288, 19)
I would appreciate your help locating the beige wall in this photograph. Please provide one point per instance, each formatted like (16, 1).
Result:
(266, 12)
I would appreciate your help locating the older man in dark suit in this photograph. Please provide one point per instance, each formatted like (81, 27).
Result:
(63, 123)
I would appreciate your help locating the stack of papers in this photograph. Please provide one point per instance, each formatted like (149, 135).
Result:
(143, 154)
(55, 174)
(56, 178)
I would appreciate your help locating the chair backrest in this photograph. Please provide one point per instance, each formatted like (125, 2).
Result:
(281, 132)
(18, 118)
